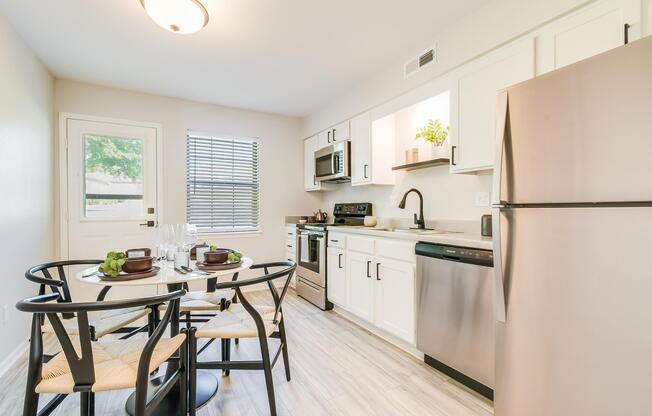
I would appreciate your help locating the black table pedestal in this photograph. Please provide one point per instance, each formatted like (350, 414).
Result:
(207, 386)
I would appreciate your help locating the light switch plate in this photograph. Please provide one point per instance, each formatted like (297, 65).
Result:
(482, 199)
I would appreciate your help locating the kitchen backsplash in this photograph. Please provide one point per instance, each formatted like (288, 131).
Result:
(446, 196)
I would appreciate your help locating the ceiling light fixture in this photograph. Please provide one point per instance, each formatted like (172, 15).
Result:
(177, 16)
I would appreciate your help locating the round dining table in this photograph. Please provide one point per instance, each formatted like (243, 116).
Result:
(207, 383)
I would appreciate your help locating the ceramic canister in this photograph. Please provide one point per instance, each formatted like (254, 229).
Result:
(370, 221)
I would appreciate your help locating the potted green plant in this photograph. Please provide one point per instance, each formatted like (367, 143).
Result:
(435, 133)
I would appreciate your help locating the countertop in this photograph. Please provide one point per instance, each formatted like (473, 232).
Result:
(462, 239)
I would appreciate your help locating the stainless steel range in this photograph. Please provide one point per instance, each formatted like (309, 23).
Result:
(312, 284)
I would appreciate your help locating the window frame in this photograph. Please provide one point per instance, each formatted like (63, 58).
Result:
(231, 232)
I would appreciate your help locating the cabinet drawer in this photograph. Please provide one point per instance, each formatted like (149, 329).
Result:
(291, 255)
(336, 240)
(360, 244)
(396, 249)
(291, 245)
(291, 231)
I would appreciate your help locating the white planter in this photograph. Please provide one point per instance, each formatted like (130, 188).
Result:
(440, 152)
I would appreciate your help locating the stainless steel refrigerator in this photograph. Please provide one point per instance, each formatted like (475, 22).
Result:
(573, 240)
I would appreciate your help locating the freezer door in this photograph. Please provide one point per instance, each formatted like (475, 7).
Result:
(582, 133)
(577, 338)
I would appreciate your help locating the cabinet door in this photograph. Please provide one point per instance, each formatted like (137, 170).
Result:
(395, 303)
(336, 283)
(478, 84)
(588, 32)
(310, 182)
(323, 139)
(361, 149)
(341, 132)
(361, 285)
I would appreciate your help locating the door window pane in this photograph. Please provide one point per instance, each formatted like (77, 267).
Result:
(113, 177)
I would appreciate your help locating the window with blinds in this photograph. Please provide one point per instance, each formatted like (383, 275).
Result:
(222, 184)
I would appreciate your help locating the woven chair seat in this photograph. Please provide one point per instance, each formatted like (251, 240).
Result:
(236, 322)
(203, 301)
(115, 364)
(105, 323)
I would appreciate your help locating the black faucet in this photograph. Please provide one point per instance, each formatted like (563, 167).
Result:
(421, 224)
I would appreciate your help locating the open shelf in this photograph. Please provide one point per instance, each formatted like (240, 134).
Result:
(422, 165)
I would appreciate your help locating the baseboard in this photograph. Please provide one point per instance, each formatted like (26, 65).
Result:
(380, 333)
(13, 357)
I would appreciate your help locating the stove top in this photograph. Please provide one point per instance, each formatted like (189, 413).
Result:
(343, 214)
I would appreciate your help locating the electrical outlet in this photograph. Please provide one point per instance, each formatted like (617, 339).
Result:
(482, 199)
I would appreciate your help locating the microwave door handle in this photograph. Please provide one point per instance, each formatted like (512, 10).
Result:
(333, 159)
(502, 110)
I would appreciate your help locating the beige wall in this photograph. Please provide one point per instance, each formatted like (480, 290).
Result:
(281, 154)
(26, 185)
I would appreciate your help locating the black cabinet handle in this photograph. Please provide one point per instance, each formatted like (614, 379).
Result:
(329, 136)
(368, 266)
(453, 155)
(334, 130)
(339, 260)
(626, 34)
(289, 246)
(364, 169)
(334, 241)
(377, 271)
(314, 180)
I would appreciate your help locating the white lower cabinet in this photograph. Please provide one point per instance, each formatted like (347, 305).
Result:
(395, 293)
(336, 266)
(374, 288)
(360, 285)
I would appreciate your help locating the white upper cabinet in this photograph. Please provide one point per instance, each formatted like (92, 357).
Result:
(372, 152)
(361, 149)
(588, 32)
(473, 140)
(310, 182)
(323, 139)
(335, 134)
(341, 132)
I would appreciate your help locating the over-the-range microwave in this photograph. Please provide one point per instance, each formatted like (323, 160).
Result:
(333, 163)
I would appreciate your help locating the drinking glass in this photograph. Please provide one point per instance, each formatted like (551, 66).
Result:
(190, 236)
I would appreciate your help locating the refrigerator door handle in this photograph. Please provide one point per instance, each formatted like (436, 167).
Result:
(500, 307)
(502, 105)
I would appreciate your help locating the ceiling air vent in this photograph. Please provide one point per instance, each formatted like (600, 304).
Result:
(426, 58)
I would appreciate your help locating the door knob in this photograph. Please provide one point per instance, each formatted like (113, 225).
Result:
(150, 223)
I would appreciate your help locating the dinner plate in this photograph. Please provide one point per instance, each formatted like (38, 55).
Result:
(217, 267)
(122, 277)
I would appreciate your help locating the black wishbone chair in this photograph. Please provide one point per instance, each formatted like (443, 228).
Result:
(115, 321)
(87, 367)
(244, 320)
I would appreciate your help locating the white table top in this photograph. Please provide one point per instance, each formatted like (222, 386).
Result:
(167, 275)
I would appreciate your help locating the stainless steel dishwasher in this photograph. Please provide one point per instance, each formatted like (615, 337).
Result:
(455, 322)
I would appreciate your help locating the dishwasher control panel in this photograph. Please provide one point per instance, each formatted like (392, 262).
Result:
(454, 253)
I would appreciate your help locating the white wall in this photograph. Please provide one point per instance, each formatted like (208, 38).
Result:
(281, 154)
(26, 186)
(446, 196)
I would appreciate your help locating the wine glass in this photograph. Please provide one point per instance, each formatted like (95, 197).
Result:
(190, 236)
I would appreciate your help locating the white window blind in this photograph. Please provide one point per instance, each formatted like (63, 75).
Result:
(222, 184)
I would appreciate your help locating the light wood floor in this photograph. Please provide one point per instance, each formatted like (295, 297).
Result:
(337, 369)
